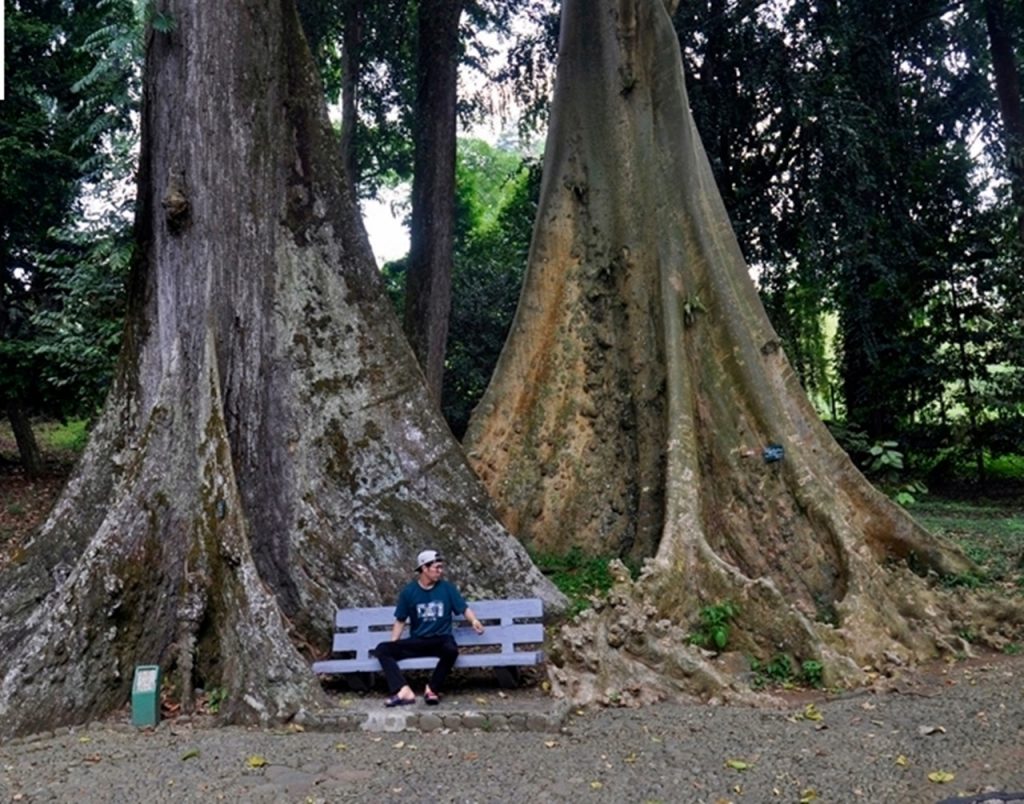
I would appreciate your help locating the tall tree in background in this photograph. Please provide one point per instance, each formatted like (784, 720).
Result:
(428, 286)
(643, 406)
(1003, 37)
(268, 452)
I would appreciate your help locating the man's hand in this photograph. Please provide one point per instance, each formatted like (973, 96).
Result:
(474, 620)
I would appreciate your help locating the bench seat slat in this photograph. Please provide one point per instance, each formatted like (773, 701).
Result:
(517, 659)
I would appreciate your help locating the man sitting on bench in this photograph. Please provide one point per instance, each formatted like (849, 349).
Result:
(429, 604)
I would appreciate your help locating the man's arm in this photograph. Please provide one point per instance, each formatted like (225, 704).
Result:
(396, 630)
(473, 620)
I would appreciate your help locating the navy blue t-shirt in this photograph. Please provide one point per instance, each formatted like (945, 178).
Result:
(429, 611)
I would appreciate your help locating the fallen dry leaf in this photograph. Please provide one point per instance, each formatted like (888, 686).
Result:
(924, 731)
(902, 761)
(737, 764)
(941, 777)
(255, 761)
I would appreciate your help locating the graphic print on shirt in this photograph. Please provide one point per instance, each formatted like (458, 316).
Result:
(428, 612)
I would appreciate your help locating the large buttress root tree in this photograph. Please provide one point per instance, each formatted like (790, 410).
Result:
(269, 451)
(640, 385)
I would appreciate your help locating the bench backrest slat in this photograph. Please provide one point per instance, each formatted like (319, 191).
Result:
(360, 630)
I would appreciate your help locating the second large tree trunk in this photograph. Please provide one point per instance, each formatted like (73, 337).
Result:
(642, 403)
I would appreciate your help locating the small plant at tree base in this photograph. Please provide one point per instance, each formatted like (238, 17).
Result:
(713, 632)
(1013, 649)
(780, 670)
(215, 699)
(812, 673)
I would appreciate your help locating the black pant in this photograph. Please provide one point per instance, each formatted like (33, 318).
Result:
(389, 654)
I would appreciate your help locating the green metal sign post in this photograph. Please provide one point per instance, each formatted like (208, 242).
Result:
(146, 696)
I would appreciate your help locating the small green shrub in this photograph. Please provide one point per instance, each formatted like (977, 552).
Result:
(215, 699)
(777, 671)
(713, 632)
(812, 673)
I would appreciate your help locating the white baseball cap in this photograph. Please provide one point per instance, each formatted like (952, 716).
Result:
(427, 557)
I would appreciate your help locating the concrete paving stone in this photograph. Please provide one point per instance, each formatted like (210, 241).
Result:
(430, 722)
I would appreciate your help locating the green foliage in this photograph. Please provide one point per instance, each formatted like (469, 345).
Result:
(880, 461)
(577, 575)
(780, 671)
(374, 45)
(215, 698)
(71, 435)
(163, 23)
(838, 135)
(66, 144)
(500, 191)
(713, 630)
(1005, 467)
(776, 671)
(812, 672)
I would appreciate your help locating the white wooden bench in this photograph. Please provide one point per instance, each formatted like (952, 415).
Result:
(513, 634)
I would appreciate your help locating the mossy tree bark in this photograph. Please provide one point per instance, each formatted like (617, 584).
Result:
(269, 451)
(640, 385)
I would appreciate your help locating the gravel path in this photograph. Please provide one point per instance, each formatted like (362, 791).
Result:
(875, 747)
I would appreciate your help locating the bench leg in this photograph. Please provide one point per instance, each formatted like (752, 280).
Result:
(360, 682)
(508, 677)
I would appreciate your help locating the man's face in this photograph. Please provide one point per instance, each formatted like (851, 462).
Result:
(432, 572)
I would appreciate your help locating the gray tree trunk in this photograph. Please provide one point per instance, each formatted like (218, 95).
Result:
(639, 388)
(1007, 84)
(25, 438)
(269, 451)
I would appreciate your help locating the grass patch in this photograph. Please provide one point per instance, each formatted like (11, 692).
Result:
(990, 534)
(70, 436)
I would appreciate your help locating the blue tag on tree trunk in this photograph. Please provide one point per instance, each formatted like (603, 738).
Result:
(773, 453)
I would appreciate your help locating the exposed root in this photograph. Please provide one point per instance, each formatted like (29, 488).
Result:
(627, 650)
